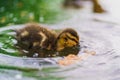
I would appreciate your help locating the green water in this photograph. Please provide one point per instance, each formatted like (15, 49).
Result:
(7, 45)
(29, 73)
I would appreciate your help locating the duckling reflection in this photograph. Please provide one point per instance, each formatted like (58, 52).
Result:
(38, 53)
(42, 53)
(69, 50)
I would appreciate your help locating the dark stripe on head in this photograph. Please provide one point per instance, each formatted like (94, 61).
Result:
(72, 38)
(72, 32)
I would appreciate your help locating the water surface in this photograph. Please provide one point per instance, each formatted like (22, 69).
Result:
(101, 37)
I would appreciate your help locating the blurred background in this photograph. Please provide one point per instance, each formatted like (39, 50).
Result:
(51, 12)
(94, 20)
(22, 11)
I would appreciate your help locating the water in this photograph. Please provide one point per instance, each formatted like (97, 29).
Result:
(98, 33)
(101, 37)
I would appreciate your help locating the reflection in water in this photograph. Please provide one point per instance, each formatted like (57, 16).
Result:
(37, 52)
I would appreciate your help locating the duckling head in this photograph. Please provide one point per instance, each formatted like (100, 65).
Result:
(66, 39)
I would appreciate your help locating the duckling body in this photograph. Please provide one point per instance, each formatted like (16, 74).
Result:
(35, 36)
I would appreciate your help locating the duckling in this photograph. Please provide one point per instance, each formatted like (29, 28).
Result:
(97, 7)
(34, 36)
(35, 39)
(66, 39)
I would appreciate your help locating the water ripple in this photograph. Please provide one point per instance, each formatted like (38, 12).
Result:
(97, 37)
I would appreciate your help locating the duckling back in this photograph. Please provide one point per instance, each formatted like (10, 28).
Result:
(34, 36)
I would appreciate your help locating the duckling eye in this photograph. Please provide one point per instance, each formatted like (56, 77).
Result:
(65, 39)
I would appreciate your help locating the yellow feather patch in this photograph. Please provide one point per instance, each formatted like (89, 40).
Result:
(24, 33)
(43, 38)
(35, 43)
(70, 43)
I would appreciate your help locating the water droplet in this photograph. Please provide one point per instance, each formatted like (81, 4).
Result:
(35, 55)
(14, 41)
